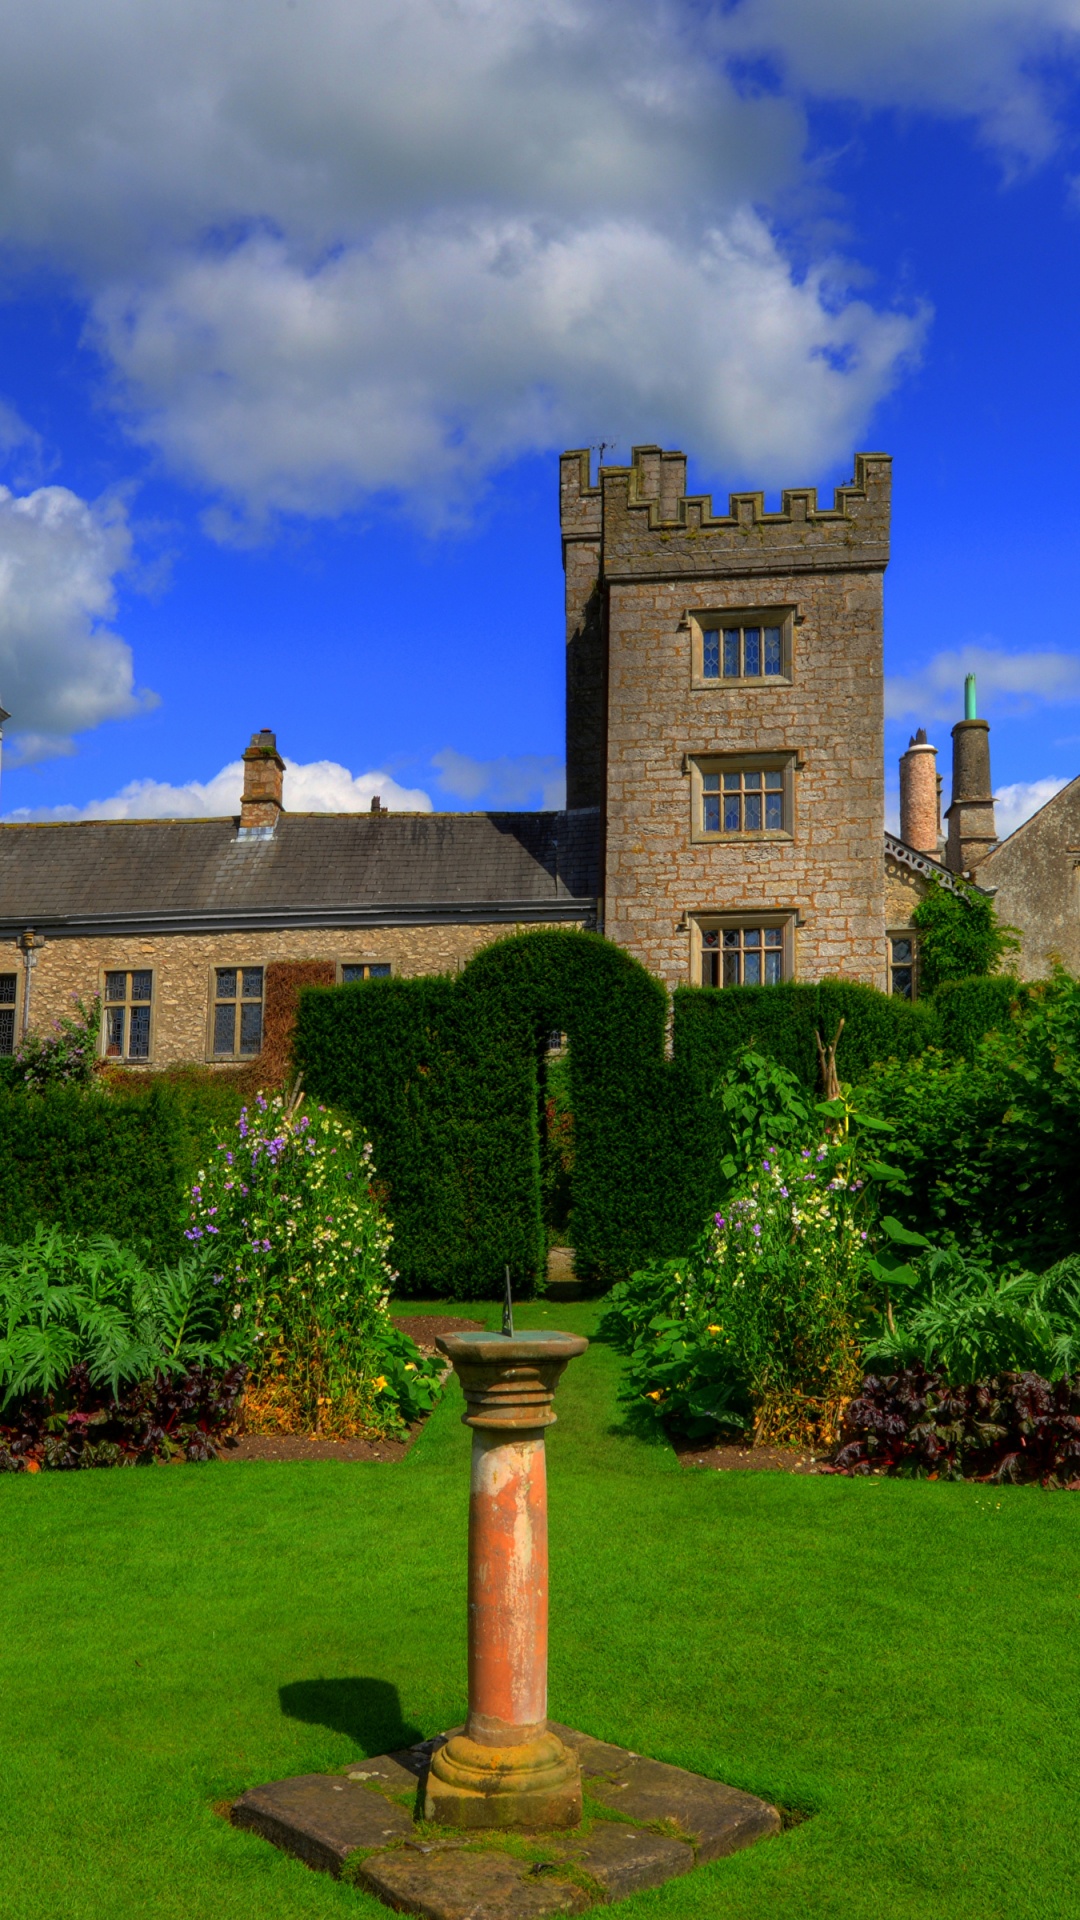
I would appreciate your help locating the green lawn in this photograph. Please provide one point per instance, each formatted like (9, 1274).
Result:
(899, 1660)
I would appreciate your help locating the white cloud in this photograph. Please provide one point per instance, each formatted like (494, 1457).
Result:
(520, 780)
(1016, 680)
(988, 60)
(1015, 803)
(339, 249)
(315, 786)
(424, 360)
(62, 667)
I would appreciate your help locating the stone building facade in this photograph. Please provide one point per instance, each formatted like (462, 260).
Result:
(179, 925)
(724, 673)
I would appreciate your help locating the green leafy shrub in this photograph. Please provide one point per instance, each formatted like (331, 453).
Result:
(990, 1144)
(959, 934)
(301, 1245)
(66, 1301)
(954, 1315)
(1013, 1427)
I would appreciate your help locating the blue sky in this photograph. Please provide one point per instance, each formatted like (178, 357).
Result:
(299, 299)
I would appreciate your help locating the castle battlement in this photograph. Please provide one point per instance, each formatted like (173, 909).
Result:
(650, 526)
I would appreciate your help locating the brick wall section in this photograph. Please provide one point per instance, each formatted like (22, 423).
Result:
(182, 965)
(664, 554)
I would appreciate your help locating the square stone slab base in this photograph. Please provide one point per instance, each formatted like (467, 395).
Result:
(645, 1822)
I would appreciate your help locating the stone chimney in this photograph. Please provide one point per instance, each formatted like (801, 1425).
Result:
(972, 831)
(264, 774)
(920, 824)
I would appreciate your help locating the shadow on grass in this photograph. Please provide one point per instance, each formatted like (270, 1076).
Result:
(367, 1710)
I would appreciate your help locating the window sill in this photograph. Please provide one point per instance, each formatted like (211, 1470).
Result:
(699, 684)
(769, 836)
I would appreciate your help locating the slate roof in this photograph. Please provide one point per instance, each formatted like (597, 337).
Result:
(318, 869)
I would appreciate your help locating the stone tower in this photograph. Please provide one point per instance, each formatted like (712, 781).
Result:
(724, 710)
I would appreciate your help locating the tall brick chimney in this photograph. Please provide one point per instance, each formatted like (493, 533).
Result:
(972, 831)
(264, 775)
(920, 825)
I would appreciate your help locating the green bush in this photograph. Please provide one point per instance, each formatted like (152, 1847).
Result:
(205, 1102)
(90, 1164)
(966, 1010)
(989, 1141)
(959, 935)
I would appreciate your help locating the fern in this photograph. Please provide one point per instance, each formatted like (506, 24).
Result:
(965, 1321)
(67, 1302)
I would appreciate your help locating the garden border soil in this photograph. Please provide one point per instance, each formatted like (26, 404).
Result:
(749, 1459)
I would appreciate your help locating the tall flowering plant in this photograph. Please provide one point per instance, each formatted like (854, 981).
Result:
(303, 1253)
(779, 1288)
(760, 1323)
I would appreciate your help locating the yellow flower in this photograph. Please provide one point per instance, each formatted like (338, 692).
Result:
(714, 1329)
(380, 1383)
(656, 1395)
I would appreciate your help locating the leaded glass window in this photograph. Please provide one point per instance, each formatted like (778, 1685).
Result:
(749, 800)
(238, 1012)
(8, 982)
(126, 1023)
(751, 956)
(364, 970)
(902, 965)
(751, 652)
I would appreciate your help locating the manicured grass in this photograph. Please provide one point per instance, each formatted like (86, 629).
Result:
(900, 1660)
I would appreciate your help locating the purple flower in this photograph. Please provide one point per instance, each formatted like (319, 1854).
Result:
(757, 1230)
(784, 1192)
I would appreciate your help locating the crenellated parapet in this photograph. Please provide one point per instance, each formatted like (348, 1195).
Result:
(651, 527)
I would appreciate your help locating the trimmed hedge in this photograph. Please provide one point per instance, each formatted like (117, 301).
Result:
(967, 1009)
(92, 1164)
(446, 1077)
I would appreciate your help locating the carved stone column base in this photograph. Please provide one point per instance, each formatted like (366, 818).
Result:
(535, 1785)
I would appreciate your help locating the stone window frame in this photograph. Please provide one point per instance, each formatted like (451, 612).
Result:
(126, 1058)
(902, 933)
(703, 619)
(239, 967)
(9, 1007)
(704, 921)
(698, 764)
(375, 968)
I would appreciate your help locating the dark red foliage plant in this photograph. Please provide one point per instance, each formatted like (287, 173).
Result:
(83, 1425)
(1013, 1427)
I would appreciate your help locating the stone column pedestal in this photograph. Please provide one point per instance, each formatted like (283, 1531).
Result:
(507, 1769)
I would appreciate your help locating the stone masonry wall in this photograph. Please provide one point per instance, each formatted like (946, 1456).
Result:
(903, 892)
(665, 557)
(182, 965)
